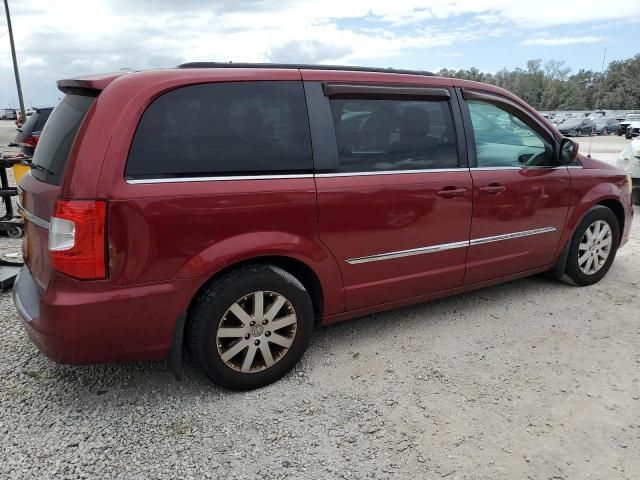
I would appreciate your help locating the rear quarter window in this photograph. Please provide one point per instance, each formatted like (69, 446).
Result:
(51, 155)
(223, 129)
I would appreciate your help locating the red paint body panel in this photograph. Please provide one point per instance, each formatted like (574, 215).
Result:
(532, 199)
(94, 322)
(369, 215)
(166, 240)
(194, 230)
(597, 182)
(38, 198)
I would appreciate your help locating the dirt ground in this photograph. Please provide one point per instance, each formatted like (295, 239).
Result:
(531, 379)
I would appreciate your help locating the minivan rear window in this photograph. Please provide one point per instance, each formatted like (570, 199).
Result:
(51, 155)
(223, 129)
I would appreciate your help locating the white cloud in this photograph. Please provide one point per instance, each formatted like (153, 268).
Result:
(565, 40)
(80, 36)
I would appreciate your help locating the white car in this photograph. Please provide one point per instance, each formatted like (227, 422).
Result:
(630, 126)
(629, 161)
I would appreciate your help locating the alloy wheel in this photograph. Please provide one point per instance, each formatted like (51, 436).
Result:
(595, 247)
(256, 331)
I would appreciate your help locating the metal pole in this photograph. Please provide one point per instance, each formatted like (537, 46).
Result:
(15, 60)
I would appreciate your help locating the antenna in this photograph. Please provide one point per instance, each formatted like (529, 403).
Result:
(604, 55)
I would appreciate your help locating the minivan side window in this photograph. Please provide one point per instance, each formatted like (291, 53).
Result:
(387, 135)
(504, 140)
(223, 129)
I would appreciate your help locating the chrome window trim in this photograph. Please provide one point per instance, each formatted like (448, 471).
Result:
(532, 167)
(390, 172)
(498, 168)
(139, 181)
(448, 246)
(31, 217)
(526, 168)
(142, 181)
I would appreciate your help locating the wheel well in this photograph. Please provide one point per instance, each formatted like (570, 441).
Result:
(298, 269)
(616, 207)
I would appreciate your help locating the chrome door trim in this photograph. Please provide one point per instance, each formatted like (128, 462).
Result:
(137, 181)
(31, 217)
(510, 236)
(407, 253)
(448, 246)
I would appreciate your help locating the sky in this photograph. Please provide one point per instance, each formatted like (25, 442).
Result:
(62, 38)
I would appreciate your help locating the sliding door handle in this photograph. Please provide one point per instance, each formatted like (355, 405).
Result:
(450, 192)
(493, 189)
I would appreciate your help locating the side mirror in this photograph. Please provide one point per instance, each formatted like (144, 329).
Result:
(568, 152)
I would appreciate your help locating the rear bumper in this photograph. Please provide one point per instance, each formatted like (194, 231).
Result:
(76, 322)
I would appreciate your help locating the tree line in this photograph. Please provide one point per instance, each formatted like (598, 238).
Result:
(551, 86)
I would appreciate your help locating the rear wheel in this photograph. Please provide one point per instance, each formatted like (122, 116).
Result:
(251, 327)
(593, 246)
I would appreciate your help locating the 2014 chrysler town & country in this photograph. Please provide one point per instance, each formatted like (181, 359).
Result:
(229, 209)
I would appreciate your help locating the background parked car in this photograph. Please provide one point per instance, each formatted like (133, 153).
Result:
(629, 161)
(633, 130)
(577, 127)
(605, 126)
(29, 134)
(8, 114)
(626, 123)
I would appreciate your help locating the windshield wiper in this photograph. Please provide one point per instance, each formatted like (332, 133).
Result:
(42, 169)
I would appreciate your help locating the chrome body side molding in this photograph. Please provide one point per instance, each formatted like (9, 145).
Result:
(30, 217)
(448, 246)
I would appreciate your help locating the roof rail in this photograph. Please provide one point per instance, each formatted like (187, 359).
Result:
(301, 66)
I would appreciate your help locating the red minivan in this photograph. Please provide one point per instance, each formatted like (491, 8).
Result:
(228, 209)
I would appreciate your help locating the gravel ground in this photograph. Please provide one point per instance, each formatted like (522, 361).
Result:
(530, 379)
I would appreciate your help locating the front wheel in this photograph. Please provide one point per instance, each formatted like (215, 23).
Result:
(593, 246)
(251, 326)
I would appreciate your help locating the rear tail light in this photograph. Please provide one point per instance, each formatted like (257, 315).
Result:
(77, 238)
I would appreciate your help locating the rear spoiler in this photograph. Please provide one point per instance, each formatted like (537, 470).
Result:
(89, 82)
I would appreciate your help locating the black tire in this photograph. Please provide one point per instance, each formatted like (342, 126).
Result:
(212, 305)
(572, 269)
(15, 232)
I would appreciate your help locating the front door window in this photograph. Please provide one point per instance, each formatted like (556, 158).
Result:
(504, 140)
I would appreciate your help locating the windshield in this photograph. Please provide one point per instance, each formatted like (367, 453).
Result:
(50, 158)
(572, 122)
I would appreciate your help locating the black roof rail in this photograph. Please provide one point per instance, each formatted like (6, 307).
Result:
(302, 66)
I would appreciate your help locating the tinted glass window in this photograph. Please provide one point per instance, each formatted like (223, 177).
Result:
(223, 129)
(50, 157)
(504, 140)
(380, 135)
